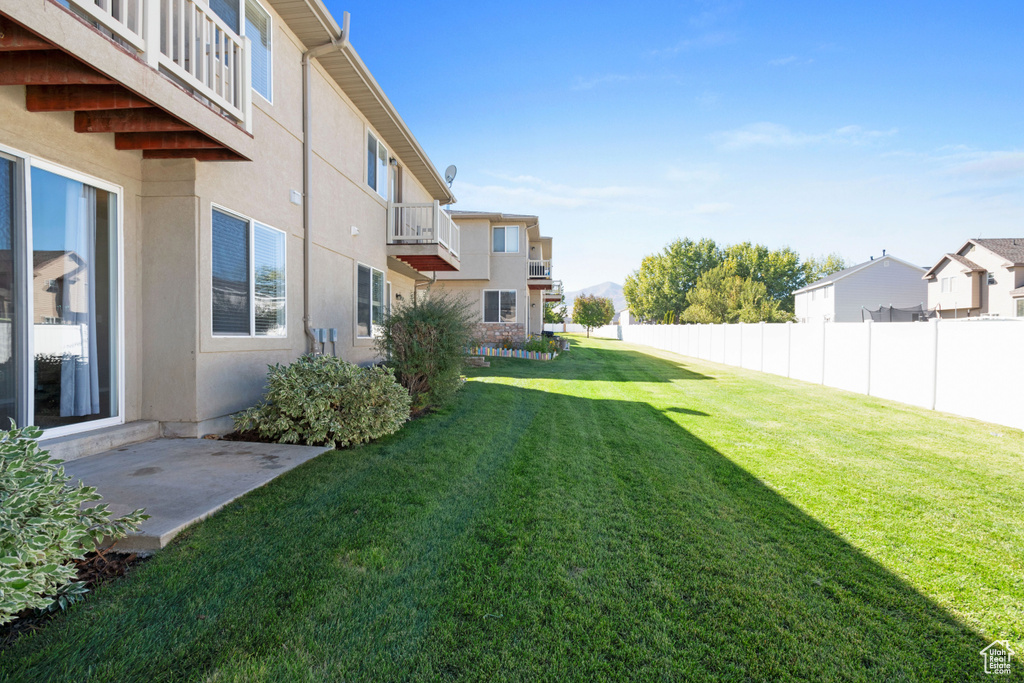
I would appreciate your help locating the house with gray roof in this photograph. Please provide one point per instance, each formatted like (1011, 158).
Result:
(843, 295)
(984, 277)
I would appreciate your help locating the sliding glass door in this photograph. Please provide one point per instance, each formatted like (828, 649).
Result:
(59, 296)
(8, 340)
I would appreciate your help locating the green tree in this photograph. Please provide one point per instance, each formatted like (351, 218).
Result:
(554, 311)
(592, 311)
(722, 296)
(657, 290)
(780, 270)
(816, 268)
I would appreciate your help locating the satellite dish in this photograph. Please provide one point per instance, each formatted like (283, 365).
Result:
(449, 174)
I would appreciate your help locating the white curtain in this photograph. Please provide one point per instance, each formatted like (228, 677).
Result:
(79, 376)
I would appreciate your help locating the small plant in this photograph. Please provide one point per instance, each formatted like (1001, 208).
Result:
(322, 400)
(45, 526)
(534, 343)
(426, 342)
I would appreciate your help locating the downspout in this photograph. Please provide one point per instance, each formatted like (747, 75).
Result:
(307, 173)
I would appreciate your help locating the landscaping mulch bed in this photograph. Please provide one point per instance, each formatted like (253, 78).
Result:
(97, 568)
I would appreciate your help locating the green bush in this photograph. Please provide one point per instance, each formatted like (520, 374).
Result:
(534, 343)
(426, 342)
(45, 527)
(322, 400)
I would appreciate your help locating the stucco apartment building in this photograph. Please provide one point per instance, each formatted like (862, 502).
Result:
(505, 274)
(842, 296)
(984, 277)
(189, 192)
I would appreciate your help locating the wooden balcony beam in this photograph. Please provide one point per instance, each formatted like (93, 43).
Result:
(143, 120)
(14, 38)
(81, 98)
(183, 140)
(221, 154)
(47, 67)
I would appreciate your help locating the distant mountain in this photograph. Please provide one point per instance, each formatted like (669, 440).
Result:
(605, 289)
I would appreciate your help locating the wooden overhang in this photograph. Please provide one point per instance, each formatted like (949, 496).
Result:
(425, 263)
(542, 285)
(55, 80)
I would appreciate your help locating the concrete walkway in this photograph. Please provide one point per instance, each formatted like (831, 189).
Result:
(181, 481)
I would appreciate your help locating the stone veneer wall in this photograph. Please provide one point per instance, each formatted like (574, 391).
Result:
(493, 333)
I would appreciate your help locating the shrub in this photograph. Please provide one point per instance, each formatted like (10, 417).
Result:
(322, 400)
(45, 527)
(426, 342)
(537, 344)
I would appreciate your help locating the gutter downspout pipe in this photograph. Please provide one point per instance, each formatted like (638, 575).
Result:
(307, 173)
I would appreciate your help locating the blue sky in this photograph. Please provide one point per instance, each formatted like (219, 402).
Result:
(846, 127)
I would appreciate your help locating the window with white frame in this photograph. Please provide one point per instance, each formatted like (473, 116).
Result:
(499, 305)
(948, 285)
(376, 165)
(824, 292)
(505, 239)
(257, 27)
(369, 300)
(248, 277)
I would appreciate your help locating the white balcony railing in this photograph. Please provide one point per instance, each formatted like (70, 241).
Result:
(554, 292)
(184, 38)
(540, 269)
(423, 224)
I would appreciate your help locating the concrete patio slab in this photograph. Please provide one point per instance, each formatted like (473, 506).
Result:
(181, 481)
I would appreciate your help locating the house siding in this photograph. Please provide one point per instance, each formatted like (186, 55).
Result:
(176, 371)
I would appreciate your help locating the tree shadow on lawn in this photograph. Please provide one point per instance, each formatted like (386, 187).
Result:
(521, 535)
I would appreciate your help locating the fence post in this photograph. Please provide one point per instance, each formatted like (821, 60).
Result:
(760, 367)
(824, 334)
(867, 390)
(935, 360)
(741, 344)
(789, 348)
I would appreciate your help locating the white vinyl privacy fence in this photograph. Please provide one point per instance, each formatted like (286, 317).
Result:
(970, 368)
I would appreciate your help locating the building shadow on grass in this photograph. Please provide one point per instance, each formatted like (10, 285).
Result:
(743, 584)
(521, 535)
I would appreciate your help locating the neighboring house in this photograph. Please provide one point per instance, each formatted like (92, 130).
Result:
(841, 296)
(505, 273)
(208, 191)
(624, 317)
(983, 277)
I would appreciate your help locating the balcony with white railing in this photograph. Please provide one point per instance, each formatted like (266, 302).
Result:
(423, 236)
(554, 292)
(540, 269)
(187, 41)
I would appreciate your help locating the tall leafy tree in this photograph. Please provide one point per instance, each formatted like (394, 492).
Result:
(722, 296)
(657, 291)
(778, 270)
(816, 267)
(592, 311)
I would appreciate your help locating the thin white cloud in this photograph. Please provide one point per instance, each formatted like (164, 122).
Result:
(590, 83)
(702, 42)
(791, 60)
(713, 208)
(999, 165)
(775, 135)
(529, 194)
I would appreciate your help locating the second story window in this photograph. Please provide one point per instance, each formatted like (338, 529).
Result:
(257, 28)
(376, 165)
(506, 239)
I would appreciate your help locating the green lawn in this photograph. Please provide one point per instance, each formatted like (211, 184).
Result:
(612, 515)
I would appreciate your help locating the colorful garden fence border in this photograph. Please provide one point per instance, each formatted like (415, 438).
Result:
(511, 353)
